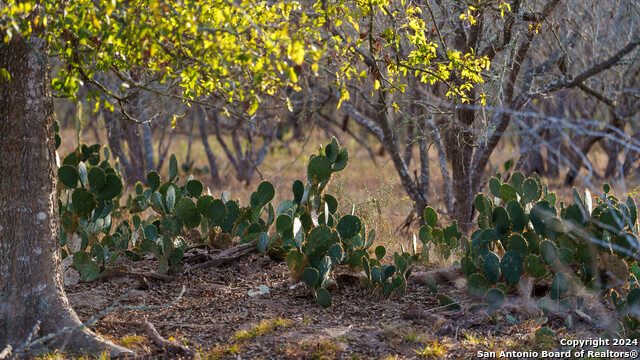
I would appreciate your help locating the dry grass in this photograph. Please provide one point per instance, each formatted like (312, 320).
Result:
(319, 350)
(265, 327)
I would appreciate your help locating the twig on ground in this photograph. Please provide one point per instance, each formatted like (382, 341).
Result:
(227, 256)
(448, 274)
(26, 344)
(158, 324)
(122, 271)
(151, 275)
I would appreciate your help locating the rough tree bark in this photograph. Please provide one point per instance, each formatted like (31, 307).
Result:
(31, 287)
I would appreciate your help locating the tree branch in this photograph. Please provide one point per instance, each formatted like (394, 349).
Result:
(594, 70)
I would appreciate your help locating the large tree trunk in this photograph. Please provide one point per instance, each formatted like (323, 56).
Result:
(31, 287)
(459, 146)
(136, 154)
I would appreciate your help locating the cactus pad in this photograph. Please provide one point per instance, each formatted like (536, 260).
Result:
(97, 179)
(341, 160)
(534, 267)
(194, 188)
(495, 298)
(173, 167)
(323, 297)
(153, 180)
(349, 226)
(111, 189)
(296, 263)
(83, 201)
(491, 268)
(68, 175)
(319, 169)
(477, 284)
(511, 266)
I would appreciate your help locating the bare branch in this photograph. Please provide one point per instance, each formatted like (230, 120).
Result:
(594, 70)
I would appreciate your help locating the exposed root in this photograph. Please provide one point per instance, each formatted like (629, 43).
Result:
(85, 341)
(76, 342)
(169, 346)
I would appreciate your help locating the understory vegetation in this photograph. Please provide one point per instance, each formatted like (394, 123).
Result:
(575, 250)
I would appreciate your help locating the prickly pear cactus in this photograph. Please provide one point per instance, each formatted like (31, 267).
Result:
(310, 232)
(87, 193)
(181, 208)
(524, 232)
(445, 240)
(316, 238)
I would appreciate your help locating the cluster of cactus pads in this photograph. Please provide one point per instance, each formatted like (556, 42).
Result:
(445, 240)
(310, 232)
(317, 238)
(177, 209)
(524, 233)
(87, 188)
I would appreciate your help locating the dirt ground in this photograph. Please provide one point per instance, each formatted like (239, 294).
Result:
(217, 317)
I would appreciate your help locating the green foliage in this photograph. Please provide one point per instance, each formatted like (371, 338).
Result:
(238, 51)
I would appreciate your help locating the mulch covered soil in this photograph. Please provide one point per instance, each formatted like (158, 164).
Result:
(218, 318)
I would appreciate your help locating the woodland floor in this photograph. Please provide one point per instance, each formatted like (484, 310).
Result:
(217, 317)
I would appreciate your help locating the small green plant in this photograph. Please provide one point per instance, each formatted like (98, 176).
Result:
(265, 327)
(445, 240)
(433, 350)
(412, 336)
(133, 340)
(386, 279)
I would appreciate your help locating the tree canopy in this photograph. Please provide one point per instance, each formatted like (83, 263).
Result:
(229, 55)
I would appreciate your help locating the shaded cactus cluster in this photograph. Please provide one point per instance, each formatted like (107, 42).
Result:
(317, 238)
(523, 232)
(444, 240)
(310, 232)
(87, 189)
(178, 209)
